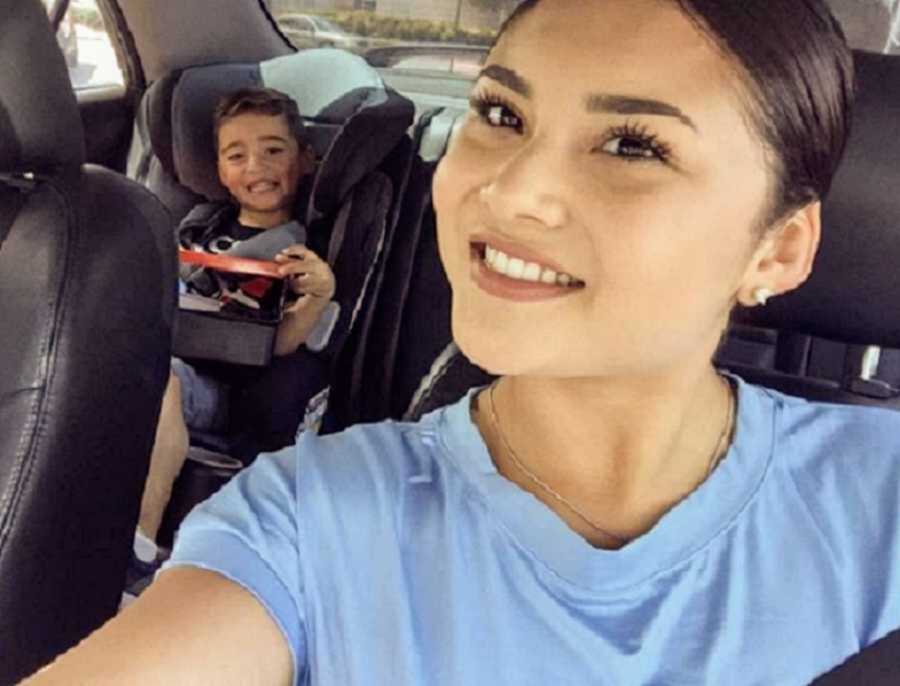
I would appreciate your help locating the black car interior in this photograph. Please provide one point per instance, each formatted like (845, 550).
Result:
(88, 318)
(86, 270)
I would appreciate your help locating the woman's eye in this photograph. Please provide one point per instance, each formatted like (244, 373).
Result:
(235, 158)
(275, 151)
(633, 148)
(496, 114)
(500, 115)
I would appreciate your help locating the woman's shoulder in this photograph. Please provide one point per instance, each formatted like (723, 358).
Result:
(847, 446)
(380, 456)
(859, 425)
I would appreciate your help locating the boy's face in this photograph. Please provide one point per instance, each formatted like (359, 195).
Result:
(261, 164)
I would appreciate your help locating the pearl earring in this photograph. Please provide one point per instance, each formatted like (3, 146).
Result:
(761, 296)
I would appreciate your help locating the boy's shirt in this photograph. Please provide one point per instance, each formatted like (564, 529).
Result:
(213, 228)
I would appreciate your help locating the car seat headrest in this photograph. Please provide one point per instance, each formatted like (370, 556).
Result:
(853, 293)
(352, 119)
(40, 127)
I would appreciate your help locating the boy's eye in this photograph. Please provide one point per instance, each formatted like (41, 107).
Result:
(234, 157)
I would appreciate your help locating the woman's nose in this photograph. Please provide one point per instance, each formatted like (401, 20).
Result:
(528, 186)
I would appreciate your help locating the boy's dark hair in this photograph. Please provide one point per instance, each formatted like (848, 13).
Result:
(259, 100)
(799, 75)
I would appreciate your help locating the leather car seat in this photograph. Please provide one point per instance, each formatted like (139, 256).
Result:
(87, 295)
(851, 302)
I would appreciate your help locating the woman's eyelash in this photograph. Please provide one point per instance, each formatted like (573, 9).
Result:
(648, 144)
(496, 111)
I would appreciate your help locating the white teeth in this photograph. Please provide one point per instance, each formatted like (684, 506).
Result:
(517, 268)
(532, 272)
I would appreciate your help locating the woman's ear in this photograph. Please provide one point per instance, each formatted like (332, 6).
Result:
(784, 257)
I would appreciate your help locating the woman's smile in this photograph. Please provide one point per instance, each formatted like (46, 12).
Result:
(506, 270)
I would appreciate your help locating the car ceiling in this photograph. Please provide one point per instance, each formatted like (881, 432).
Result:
(173, 34)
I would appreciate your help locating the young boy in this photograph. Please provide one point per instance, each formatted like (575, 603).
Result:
(262, 158)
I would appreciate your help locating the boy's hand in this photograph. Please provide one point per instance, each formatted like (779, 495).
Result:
(306, 272)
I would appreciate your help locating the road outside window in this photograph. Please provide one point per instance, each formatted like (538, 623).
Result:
(86, 46)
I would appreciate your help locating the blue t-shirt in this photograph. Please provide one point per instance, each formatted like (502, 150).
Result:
(396, 554)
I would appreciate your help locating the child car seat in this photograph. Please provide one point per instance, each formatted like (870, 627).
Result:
(357, 127)
(406, 321)
(87, 269)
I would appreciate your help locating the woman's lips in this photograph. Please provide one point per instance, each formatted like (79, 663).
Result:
(524, 282)
(515, 250)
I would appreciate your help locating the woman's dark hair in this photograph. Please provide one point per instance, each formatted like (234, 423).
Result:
(257, 100)
(798, 74)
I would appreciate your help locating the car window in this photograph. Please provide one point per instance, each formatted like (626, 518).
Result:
(431, 37)
(86, 45)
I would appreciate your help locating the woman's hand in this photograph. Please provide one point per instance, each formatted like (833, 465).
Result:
(306, 273)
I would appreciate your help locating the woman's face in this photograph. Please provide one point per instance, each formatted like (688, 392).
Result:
(596, 207)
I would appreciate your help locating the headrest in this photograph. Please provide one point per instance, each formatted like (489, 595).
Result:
(352, 119)
(853, 294)
(40, 127)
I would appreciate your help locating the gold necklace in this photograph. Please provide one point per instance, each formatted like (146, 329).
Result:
(716, 457)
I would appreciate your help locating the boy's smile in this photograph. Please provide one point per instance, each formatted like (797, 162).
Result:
(261, 163)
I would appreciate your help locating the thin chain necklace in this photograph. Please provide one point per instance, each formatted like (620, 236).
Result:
(717, 454)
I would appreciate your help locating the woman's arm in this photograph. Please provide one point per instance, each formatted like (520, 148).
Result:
(190, 627)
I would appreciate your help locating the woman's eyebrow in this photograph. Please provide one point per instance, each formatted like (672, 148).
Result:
(624, 104)
(619, 104)
(507, 77)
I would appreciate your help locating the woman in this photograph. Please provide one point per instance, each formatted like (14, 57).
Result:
(613, 511)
